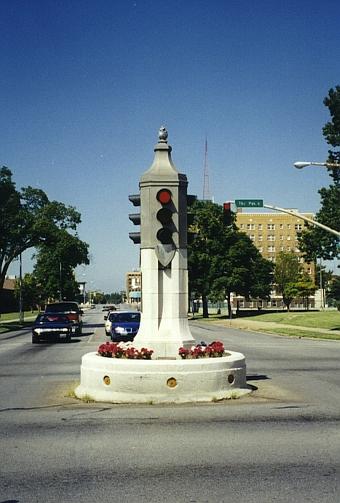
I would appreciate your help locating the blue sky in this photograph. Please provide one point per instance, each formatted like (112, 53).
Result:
(85, 85)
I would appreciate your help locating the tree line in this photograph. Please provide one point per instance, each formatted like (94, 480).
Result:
(28, 219)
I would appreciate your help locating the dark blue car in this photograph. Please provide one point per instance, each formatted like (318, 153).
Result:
(51, 327)
(124, 326)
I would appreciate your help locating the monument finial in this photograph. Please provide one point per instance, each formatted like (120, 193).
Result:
(162, 135)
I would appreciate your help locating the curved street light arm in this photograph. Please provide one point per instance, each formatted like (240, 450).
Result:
(296, 214)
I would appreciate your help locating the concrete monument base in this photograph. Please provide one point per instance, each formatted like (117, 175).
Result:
(117, 380)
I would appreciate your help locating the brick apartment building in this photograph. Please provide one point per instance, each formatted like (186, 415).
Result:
(273, 233)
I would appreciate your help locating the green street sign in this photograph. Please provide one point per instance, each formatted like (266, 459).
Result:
(249, 203)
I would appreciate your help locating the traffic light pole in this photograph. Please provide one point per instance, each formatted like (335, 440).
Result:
(309, 220)
(258, 203)
(163, 246)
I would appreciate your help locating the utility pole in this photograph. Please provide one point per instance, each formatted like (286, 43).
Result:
(21, 312)
(206, 185)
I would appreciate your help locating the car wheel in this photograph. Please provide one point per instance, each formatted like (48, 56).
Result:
(35, 340)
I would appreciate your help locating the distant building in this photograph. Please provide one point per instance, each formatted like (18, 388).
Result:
(8, 302)
(273, 233)
(133, 287)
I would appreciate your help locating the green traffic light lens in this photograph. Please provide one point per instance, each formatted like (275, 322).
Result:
(164, 235)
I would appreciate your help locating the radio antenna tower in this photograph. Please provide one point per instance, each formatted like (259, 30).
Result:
(206, 186)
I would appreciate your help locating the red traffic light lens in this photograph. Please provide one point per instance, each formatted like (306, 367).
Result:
(164, 196)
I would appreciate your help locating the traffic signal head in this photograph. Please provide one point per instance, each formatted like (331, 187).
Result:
(164, 216)
(227, 216)
(135, 218)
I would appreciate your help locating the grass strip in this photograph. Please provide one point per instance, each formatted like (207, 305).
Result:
(296, 332)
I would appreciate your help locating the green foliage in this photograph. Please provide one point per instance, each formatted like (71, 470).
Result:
(222, 260)
(333, 294)
(331, 130)
(315, 242)
(290, 279)
(54, 268)
(113, 298)
(287, 273)
(28, 219)
(31, 292)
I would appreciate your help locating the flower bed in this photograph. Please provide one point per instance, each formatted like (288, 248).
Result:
(213, 350)
(124, 350)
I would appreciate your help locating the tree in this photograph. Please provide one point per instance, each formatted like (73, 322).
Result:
(54, 268)
(223, 260)
(114, 298)
(315, 242)
(207, 224)
(28, 219)
(305, 287)
(334, 291)
(286, 275)
(242, 270)
(31, 292)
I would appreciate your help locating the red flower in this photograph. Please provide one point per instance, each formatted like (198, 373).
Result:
(213, 350)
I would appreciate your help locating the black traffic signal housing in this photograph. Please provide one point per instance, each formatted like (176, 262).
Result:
(164, 216)
(135, 218)
(227, 214)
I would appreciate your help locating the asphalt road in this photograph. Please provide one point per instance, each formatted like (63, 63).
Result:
(280, 444)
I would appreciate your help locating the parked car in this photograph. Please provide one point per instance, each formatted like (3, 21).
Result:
(51, 327)
(69, 309)
(124, 325)
(109, 307)
(108, 321)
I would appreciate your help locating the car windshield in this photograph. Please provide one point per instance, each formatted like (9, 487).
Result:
(125, 317)
(61, 307)
(53, 318)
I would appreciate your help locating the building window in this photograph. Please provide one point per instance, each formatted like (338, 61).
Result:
(271, 249)
(251, 226)
(260, 237)
(281, 226)
(288, 226)
(298, 227)
(270, 237)
(260, 249)
(260, 227)
(252, 237)
(271, 227)
(281, 238)
(288, 238)
(241, 226)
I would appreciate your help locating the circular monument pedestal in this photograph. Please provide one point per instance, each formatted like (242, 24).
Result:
(117, 380)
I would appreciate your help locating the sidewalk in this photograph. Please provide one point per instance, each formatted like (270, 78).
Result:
(247, 324)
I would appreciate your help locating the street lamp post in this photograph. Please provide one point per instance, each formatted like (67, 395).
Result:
(304, 164)
(21, 311)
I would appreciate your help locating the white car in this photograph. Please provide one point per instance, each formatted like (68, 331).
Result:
(108, 322)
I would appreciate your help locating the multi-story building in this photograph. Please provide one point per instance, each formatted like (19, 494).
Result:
(273, 233)
(133, 286)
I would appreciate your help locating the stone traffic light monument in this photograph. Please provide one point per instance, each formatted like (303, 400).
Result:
(164, 325)
(163, 243)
